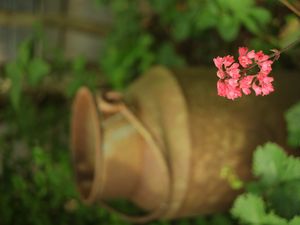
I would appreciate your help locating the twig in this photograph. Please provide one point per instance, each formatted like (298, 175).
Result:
(276, 53)
(291, 7)
(290, 45)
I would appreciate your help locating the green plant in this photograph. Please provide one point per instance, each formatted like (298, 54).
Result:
(164, 32)
(292, 117)
(228, 17)
(26, 69)
(81, 76)
(35, 173)
(38, 188)
(274, 199)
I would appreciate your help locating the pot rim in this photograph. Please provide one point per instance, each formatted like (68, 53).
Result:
(85, 112)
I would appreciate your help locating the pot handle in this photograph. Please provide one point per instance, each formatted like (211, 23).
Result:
(110, 103)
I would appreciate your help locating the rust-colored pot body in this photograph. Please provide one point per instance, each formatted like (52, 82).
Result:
(195, 134)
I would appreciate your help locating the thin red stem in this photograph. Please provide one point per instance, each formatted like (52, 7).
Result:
(277, 53)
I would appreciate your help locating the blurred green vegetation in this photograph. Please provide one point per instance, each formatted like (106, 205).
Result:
(275, 197)
(190, 33)
(36, 181)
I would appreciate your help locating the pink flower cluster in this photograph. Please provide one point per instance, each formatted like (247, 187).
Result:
(234, 78)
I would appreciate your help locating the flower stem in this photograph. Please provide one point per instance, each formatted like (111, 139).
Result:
(291, 7)
(276, 53)
(290, 45)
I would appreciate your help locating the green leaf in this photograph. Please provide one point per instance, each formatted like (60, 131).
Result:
(167, 56)
(295, 221)
(285, 199)
(273, 165)
(131, 59)
(161, 6)
(78, 64)
(181, 28)
(273, 219)
(269, 163)
(240, 6)
(19, 183)
(249, 208)
(250, 24)
(207, 17)
(228, 27)
(73, 86)
(219, 219)
(24, 52)
(292, 117)
(236, 7)
(37, 69)
(256, 20)
(261, 15)
(15, 72)
(280, 176)
(39, 157)
(147, 60)
(292, 170)
(200, 221)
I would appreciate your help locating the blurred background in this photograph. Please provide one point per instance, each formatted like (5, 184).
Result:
(49, 48)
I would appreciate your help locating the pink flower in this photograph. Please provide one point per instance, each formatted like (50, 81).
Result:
(229, 88)
(266, 66)
(222, 88)
(234, 71)
(244, 61)
(243, 51)
(221, 74)
(227, 67)
(232, 88)
(261, 76)
(251, 54)
(218, 62)
(245, 58)
(234, 81)
(245, 84)
(233, 92)
(265, 79)
(261, 57)
(257, 89)
(266, 84)
(228, 60)
(267, 88)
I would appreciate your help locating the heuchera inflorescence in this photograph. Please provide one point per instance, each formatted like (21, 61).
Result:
(237, 78)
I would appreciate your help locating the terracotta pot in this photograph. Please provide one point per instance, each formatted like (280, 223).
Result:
(165, 148)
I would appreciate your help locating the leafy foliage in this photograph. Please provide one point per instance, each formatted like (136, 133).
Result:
(25, 69)
(292, 117)
(275, 198)
(82, 77)
(251, 209)
(231, 15)
(274, 166)
(41, 192)
(163, 32)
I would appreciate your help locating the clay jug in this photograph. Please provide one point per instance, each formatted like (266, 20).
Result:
(163, 145)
